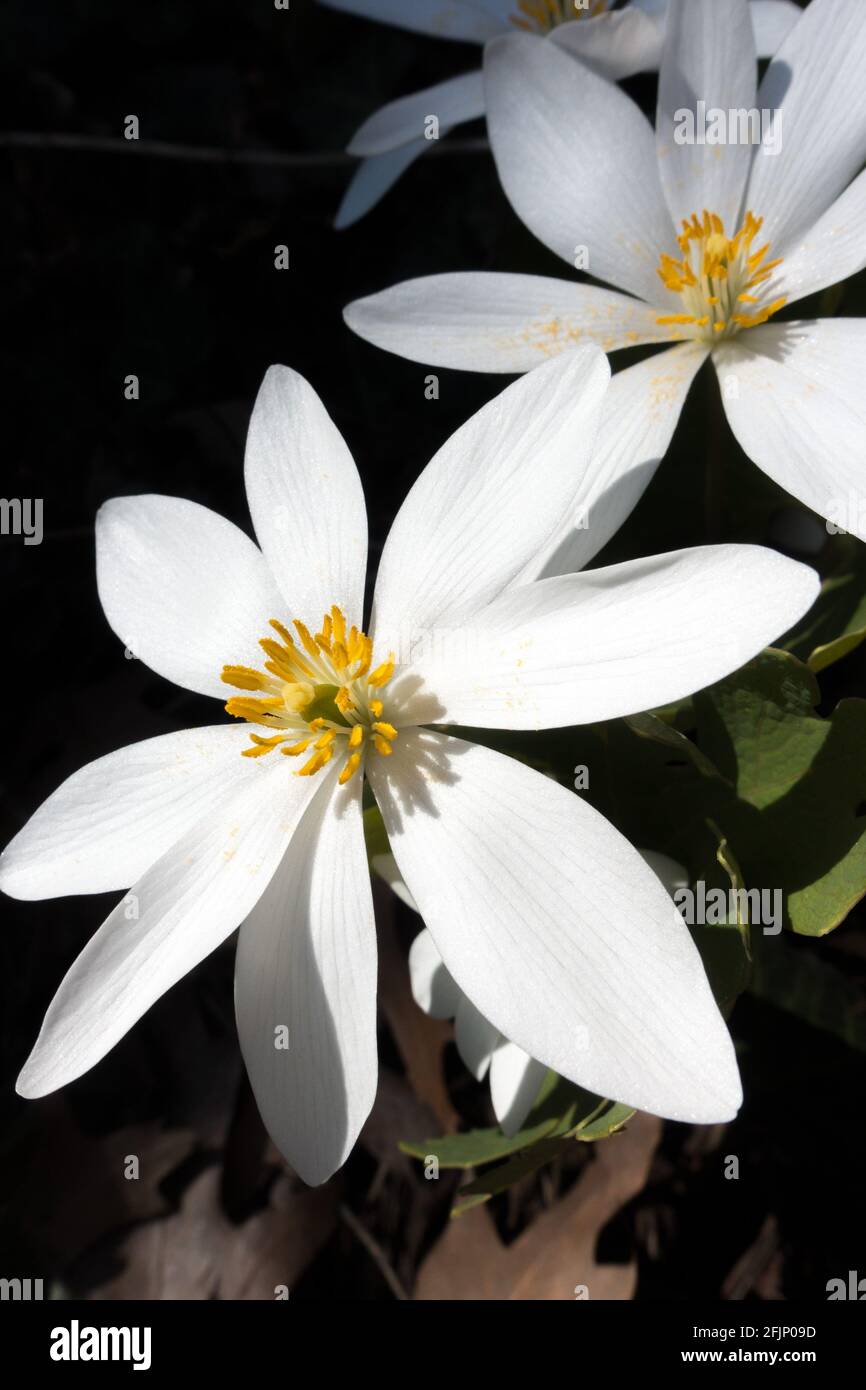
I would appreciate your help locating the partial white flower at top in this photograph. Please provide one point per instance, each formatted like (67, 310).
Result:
(546, 917)
(757, 231)
(515, 1077)
(614, 42)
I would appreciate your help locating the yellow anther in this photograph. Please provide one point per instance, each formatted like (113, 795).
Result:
(715, 274)
(353, 762)
(343, 700)
(261, 746)
(383, 673)
(306, 639)
(294, 749)
(317, 693)
(339, 625)
(324, 637)
(316, 762)
(254, 711)
(244, 678)
(286, 663)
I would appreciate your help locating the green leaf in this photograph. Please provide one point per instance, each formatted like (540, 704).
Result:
(652, 727)
(836, 622)
(375, 835)
(601, 1119)
(797, 822)
(601, 1126)
(725, 947)
(505, 1175)
(561, 1108)
(759, 726)
(555, 1111)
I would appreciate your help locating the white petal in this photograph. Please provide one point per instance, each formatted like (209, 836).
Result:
(475, 1036)
(445, 19)
(490, 498)
(180, 911)
(307, 962)
(830, 251)
(639, 415)
(577, 161)
(184, 589)
(555, 928)
(816, 83)
(772, 21)
(108, 822)
(798, 409)
(385, 865)
(709, 55)
(486, 321)
(613, 45)
(515, 1080)
(456, 100)
(582, 647)
(433, 988)
(306, 500)
(372, 180)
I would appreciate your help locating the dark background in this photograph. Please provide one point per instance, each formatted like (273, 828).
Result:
(120, 259)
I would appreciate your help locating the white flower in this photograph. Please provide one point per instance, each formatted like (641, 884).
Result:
(581, 167)
(546, 917)
(515, 1077)
(615, 44)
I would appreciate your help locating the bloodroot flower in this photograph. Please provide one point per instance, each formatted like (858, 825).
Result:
(616, 43)
(709, 237)
(544, 915)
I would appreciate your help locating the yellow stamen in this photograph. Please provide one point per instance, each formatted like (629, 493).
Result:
(316, 763)
(715, 275)
(339, 625)
(244, 678)
(353, 762)
(254, 711)
(318, 693)
(343, 700)
(300, 747)
(309, 645)
(383, 673)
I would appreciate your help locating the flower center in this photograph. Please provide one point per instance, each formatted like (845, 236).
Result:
(321, 697)
(540, 16)
(719, 278)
